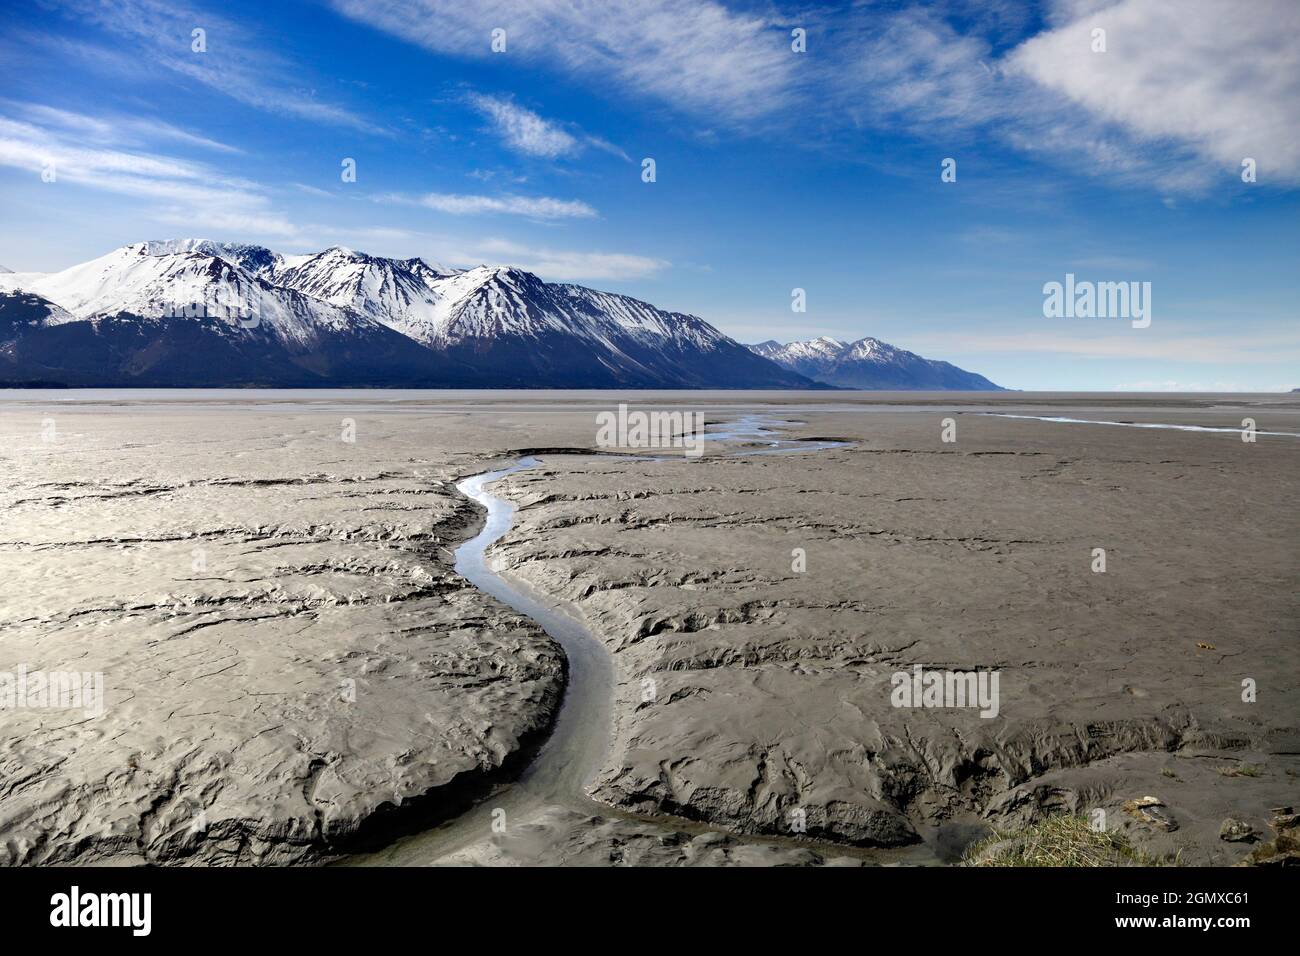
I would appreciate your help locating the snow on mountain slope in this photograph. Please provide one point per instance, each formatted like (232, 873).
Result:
(257, 260)
(543, 334)
(13, 281)
(42, 345)
(870, 363)
(184, 284)
(822, 349)
(444, 307)
(512, 325)
(27, 310)
(346, 316)
(403, 294)
(489, 302)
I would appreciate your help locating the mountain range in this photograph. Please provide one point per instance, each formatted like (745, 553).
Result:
(870, 364)
(198, 313)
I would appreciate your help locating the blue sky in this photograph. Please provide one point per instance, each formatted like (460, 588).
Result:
(775, 169)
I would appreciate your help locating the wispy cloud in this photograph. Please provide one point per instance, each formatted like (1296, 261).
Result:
(694, 54)
(535, 207)
(1182, 94)
(532, 134)
(550, 263)
(523, 129)
(569, 264)
(234, 63)
(113, 127)
(184, 192)
(313, 190)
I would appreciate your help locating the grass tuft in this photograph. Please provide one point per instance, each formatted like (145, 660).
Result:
(1245, 770)
(1056, 841)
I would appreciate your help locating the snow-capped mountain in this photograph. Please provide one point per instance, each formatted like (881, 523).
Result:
(257, 260)
(124, 349)
(870, 364)
(523, 330)
(145, 315)
(404, 294)
(26, 310)
(156, 286)
(197, 312)
(511, 321)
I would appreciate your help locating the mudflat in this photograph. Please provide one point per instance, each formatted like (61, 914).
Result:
(293, 671)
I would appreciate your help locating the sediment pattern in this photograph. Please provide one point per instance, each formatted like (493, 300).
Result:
(287, 657)
(749, 691)
(292, 669)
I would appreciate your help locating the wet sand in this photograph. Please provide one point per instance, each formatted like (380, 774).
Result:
(330, 562)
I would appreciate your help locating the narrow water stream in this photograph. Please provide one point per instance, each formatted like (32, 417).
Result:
(580, 734)
(1182, 428)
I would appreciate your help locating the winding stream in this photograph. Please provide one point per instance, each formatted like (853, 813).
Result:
(580, 733)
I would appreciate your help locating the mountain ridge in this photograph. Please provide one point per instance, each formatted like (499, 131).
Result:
(870, 364)
(326, 319)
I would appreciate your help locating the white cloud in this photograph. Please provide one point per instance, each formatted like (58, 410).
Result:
(461, 251)
(114, 127)
(234, 63)
(247, 223)
(534, 135)
(314, 190)
(913, 68)
(568, 264)
(186, 192)
(1185, 91)
(608, 147)
(1182, 94)
(1220, 78)
(523, 129)
(694, 54)
(535, 207)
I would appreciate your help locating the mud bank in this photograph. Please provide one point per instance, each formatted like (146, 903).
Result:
(756, 697)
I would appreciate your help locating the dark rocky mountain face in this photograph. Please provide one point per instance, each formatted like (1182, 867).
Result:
(124, 349)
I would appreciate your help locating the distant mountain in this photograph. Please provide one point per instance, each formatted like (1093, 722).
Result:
(514, 327)
(196, 312)
(41, 343)
(404, 294)
(258, 260)
(870, 364)
(20, 312)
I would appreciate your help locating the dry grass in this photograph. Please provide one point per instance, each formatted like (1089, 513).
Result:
(1245, 770)
(1057, 841)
